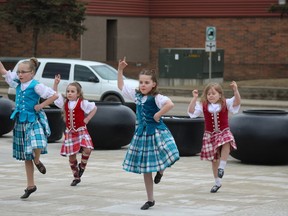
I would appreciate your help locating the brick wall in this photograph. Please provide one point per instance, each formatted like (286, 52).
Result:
(255, 48)
(14, 44)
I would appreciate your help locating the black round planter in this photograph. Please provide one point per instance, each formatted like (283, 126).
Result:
(261, 136)
(56, 123)
(112, 126)
(6, 107)
(187, 132)
(131, 106)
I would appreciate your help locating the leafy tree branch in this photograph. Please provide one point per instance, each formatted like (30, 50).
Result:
(41, 16)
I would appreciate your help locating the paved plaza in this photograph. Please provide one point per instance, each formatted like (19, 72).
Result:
(108, 190)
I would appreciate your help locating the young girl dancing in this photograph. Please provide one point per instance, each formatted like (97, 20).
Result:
(78, 112)
(31, 125)
(152, 148)
(218, 140)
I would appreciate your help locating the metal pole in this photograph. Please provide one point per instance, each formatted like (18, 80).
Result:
(210, 65)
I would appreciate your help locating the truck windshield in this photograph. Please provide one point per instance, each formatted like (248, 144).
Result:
(105, 72)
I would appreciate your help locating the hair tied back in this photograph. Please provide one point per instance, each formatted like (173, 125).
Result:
(34, 62)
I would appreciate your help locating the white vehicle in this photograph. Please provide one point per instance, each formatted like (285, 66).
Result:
(98, 80)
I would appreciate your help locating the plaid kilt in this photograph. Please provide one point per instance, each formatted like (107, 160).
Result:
(212, 141)
(29, 136)
(74, 140)
(151, 153)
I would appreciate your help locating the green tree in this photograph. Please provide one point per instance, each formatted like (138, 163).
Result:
(282, 9)
(43, 16)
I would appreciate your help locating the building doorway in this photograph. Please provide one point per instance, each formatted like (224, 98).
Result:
(111, 45)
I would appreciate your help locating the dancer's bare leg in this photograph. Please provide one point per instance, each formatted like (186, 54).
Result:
(148, 180)
(29, 167)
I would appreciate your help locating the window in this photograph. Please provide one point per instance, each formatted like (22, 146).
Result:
(52, 69)
(105, 72)
(82, 73)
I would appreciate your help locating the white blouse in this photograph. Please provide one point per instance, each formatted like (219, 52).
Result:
(213, 108)
(130, 93)
(85, 105)
(42, 90)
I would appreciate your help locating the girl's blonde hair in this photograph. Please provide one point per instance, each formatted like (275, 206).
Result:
(151, 72)
(33, 64)
(217, 88)
(78, 88)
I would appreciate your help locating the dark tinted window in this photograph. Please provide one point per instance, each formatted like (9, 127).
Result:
(51, 69)
(82, 73)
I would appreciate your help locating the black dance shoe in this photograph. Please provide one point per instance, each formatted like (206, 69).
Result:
(158, 177)
(81, 171)
(220, 173)
(75, 182)
(147, 205)
(40, 166)
(215, 188)
(28, 192)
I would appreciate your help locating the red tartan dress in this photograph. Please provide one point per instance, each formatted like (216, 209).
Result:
(76, 133)
(217, 133)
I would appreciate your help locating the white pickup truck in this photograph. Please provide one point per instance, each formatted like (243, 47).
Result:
(98, 80)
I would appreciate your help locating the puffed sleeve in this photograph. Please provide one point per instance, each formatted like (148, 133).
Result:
(161, 100)
(87, 106)
(59, 102)
(129, 92)
(198, 110)
(44, 91)
(10, 78)
(230, 107)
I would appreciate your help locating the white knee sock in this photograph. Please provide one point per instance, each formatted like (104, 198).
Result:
(218, 181)
(222, 164)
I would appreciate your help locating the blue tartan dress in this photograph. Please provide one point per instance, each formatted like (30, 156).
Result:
(31, 128)
(153, 147)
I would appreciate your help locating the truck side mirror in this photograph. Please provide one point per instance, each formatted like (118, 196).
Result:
(93, 79)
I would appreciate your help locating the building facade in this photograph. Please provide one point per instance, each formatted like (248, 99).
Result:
(254, 40)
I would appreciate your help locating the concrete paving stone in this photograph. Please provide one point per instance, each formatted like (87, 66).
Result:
(108, 190)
